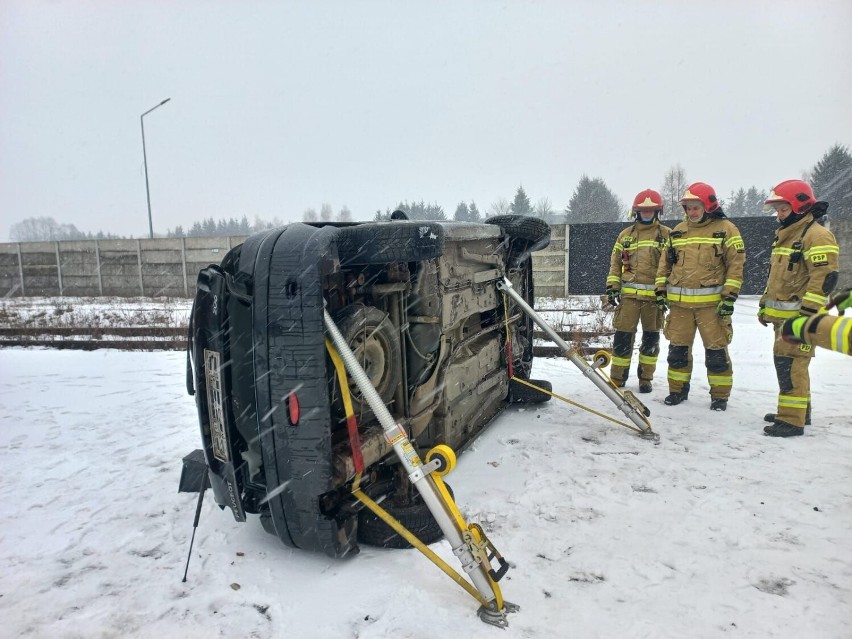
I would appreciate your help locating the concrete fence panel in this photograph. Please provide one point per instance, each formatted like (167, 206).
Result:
(575, 263)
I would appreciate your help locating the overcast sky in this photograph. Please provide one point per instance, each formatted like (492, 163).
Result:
(280, 106)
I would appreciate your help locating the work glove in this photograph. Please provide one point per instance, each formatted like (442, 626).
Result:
(662, 301)
(842, 300)
(761, 316)
(792, 330)
(725, 308)
(614, 296)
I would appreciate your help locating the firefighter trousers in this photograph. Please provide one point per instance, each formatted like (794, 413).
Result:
(794, 381)
(630, 313)
(716, 333)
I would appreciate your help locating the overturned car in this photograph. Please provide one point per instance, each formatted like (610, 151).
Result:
(417, 303)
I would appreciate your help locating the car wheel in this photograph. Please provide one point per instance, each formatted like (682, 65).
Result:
(399, 241)
(416, 517)
(523, 394)
(374, 340)
(533, 230)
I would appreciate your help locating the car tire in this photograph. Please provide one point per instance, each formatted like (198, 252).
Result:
(416, 517)
(398, 241)
(374, 339)
(533, 230)
(523, 394)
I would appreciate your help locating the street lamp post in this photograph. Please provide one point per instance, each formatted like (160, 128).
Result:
(145, 160)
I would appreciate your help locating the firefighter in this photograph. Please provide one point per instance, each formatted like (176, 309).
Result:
(803, 271)
(630, 288)
(699, 279)
(823, 330)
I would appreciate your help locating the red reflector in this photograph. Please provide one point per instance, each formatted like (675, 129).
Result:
(293, 408)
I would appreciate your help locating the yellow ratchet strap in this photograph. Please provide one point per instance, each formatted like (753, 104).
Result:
(340, 369)
(386, 517)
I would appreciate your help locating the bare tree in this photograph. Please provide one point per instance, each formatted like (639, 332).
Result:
(345, 214)
(543, 208)
(40, 229)
(674, 184)
(500, 207)
(310, 215)
(326, 213)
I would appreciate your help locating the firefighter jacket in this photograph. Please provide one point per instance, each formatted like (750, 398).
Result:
(634, 260)
(828, 331)
(802, 270)
(703, 263)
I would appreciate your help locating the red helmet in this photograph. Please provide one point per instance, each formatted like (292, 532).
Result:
(701, 192)
(648, 199)
(798, 194)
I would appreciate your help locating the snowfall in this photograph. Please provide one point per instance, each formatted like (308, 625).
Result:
(715, 531)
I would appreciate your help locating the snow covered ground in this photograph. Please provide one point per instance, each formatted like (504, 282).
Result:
(717, 531)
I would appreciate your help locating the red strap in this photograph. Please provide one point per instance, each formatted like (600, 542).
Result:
(355, 443)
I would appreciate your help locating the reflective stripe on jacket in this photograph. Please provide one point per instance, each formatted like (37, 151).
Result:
(709, 260)
(804, 255)
(634, 259)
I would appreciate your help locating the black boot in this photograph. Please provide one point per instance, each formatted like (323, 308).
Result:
(718, 404)
(770, 417)
(673, 399)
(645, 386)
(783, 429)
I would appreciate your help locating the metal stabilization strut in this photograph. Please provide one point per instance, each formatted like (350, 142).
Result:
(625, 401)
(469, 543)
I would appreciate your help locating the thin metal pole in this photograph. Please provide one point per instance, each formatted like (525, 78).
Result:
(183, 261)
(100, 277)
(59, 270)
(567, 255)
(139, 262)
(145, 161)
(147, 188)
(21, 270)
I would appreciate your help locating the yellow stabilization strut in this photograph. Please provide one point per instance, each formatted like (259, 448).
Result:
(446, 462)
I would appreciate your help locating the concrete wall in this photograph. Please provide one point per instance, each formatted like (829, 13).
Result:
(575, 263)
(549, 265)
(121, 268)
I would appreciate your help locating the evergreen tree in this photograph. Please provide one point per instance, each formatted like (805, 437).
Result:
(473, 212)
(592, 201)
(521, 203)
(735, 206)
(422, 211)
(462, 213)
(831, 180)
(754, 200)
(744, 203)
